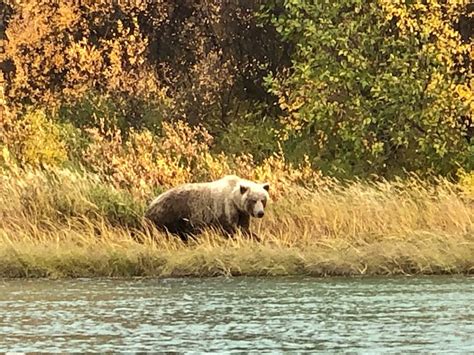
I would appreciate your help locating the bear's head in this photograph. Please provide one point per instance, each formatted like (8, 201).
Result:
(253, 198)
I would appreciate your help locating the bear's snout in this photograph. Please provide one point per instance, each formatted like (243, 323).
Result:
(257, 209)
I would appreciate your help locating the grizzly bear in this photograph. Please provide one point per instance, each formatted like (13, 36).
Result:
(226, 204)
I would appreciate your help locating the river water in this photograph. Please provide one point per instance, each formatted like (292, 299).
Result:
(369, 315)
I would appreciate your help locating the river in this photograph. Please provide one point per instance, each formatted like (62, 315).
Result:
(369, 315)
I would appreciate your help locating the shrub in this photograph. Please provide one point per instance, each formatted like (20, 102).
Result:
(203, 56)
(33, 139)
(376, 86)
(53, 195)
(466, 182)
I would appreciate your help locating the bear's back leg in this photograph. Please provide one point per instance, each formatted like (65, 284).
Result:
(182, 228)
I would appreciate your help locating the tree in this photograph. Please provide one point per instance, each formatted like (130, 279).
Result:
(375, 86)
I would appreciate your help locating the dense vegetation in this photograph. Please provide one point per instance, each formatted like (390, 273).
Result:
(358, 113)
(351, 87)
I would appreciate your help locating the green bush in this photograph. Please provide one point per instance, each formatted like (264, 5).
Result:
(253, 133)
(369, 91)
(117, 207)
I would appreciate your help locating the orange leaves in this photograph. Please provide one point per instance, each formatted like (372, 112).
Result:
(63, 50)
(202, 56)
(67, 14)
(182, 154)
(144, 162)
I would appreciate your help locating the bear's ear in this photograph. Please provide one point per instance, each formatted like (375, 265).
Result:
(243, 189)
(266, 186)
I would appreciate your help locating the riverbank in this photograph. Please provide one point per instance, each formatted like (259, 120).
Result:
(71, 225)
(78, 256)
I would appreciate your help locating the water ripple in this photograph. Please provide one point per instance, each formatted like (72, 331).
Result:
(241, 314)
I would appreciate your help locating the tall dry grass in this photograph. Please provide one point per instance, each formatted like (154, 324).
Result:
(59, 223)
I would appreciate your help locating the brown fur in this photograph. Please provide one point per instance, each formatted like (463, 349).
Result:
(226, 204)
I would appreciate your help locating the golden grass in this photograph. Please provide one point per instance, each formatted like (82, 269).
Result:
(63, 224)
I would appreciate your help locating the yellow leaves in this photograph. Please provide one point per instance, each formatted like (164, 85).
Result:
(67, 15)
(466, 182)
(291, 106)
(465, 91)
(436, 79)
(83, 53)
(120, 26)
(466, 94)
(6, 155)
(182, 155)
(291, 121)
(282, 175)
(66, 50)
(43, 144)
(432, 20)
(34, 140)
(144, 161)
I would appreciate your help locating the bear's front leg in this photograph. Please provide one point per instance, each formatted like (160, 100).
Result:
(244, 225)
(228, 230)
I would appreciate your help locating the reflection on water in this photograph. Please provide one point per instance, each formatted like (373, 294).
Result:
(282, 314)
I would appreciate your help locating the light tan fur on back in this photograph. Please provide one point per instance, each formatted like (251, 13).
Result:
(227, 203)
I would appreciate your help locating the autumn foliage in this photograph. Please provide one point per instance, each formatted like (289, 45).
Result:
(104, 104)
(157, 93)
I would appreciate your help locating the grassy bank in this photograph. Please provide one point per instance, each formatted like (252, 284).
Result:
(95, 122)
(64, 224)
